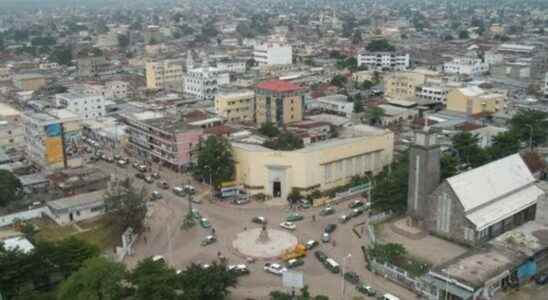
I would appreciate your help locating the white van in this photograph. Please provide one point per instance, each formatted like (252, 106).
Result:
(332, 265)
(389, 297)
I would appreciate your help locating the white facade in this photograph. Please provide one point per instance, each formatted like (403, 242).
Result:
(336, 103)
(432, 93)
(203, 83)
(111, 90)
(384, 60)
(232, 66)
(546, 86)
(464, 65)
(273, 54)
(85, 106)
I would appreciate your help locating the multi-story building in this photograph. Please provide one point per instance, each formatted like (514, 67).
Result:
(235, 105)
(204, 83)
(116, 89)
(546, 86)
(167, 139)
(164, 75)
(11, 131)
(279, 102)
(85, 106)
(4, 73)
(435, 91)
(382, 61)
(337, 104)
(232, 66)
(91, 65)
(152, 34)
(469, 65)
(30, 81)
(273, 54)
(53, 139)
(403, 85)
(474, 100)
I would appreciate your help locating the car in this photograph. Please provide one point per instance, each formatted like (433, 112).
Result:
(136, 164)
(117, 156)
(304, 204)
(195, 200)
(352, 277)
(293, 217)
(121, 163)
(195, 214)
(155, 195)
(274, 268)
(204, 223)
(356, 204)
(288, 225)
(163, 185)
(238, 270)
(320, 256)
(294, 262)
(541, 279)
(177, 190)
(259, 220)
(311, 244)
(142, 168)
(344, 218)
(329, 228)
(208, 240)
(158, 258)
(140, 175)
(148, 179)
(326, 237)
(366, 290)
(326, 211)
(241, 200)
(155, 175)
(357, 211)
(189, 189)
(107, 158)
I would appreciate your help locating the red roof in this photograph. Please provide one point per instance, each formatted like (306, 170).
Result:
(278, 86)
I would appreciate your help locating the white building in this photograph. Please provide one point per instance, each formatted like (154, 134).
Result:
(546, 86)
(337, 104)
(384, 60)
(85, 106)
(236, 66)
(273, 54)
(466, 65)
(486, 134)
(116, 89)
(435, 91)
(204, 83)
(77, 208)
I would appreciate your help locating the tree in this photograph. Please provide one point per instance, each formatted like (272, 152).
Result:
(294, 196)
(62, 56)
(380, 45)
(504, 144)
(356, 37)
(387, 252)
(249, 64)
(339, 80)
(464, 35)
(269, 129)
(98, 279)
(154, 280)
(367, 84)
(469, 150)
(448, 166)
(305, 295)
(530, 125)
(197, 283)
(126, 205)
(390, 186)
(358, 104)
(215, 160)
(11, 189)
(375, 115)
(123, 40)
(286, 141)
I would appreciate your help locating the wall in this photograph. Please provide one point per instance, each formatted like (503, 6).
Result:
(456, 101)
(185, 142)
(78, 215)
(7, 220)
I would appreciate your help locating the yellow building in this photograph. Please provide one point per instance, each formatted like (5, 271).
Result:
(164, 75)
(319, 166)
(474, 100)
(30, 82)
(403, 85)
(280, 102)
(235, 105)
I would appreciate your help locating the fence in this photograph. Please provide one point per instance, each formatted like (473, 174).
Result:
(402, 278)
(7, 220)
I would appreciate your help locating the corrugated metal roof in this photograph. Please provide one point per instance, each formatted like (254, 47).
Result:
(488, 182)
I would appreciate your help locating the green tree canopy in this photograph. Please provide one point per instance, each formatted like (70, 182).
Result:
(269, 129)
(380, 45)
(469, 150)
(215, 160)
(98, 279)
(358, 104)
(375, 115)
(448, 165)
(286, 141)
(11, 189)
(153, 280)
(530, 123)
(356, 37)
(62, 56)
(464, 35)
(126, 205)
(339, 80)
(504, 144)
(387, 252)
(390, 186)
(123, 40)
(212, 283)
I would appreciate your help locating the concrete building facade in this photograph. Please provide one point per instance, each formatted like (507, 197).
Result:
(273, 54)
(30, 82)
(279, 102)
(382, 61)
(337, 104)
(164, 75)
(236, 105)
(86, 107)
(204, 83)
(474, 100)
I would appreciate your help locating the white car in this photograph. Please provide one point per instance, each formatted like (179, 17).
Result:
(274, 268)
(288, 225)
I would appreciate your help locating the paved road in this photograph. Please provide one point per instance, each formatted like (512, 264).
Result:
(180, 248)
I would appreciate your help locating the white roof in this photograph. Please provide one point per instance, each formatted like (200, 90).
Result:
(471, 91)
(507, 206)
(18, 242)
(494, 180)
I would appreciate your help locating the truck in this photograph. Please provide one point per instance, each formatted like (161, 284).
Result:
(298, 251)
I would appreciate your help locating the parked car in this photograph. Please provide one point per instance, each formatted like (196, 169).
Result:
(274, 268)
(241, 200)
(357, 211)
(238, 270)
(329, 228)
(140, 175)
(122, 163)
(293, 217)
(107, 158)
(293, 263)
(155, 195)
(326, 211)
(195, 214)
(541, 279)
(208, 240)
(196, 200)
(204, 223)
(326, 237)
(148, 179)
(304, 204)
(320, 256)
(177, 190)
(344, 218)
(311, 244)
(142, 168)
(288, 225)
(189, 189)
(352, 277)
(155, 175)
(136, 164)
(158, 258)
(356, 204)
(163, 185)
(366, 290)
(259, 220)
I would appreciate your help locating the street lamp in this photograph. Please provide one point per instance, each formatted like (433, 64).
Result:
(343, 283)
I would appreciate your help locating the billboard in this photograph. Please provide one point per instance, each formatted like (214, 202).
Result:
(53, 130)
(54, 150)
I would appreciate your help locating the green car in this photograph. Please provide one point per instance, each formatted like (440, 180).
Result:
(292, 217)
(326, 211)
(305, 204)
(293, 263)
(366, 290)
(196, 214)
(204, 223)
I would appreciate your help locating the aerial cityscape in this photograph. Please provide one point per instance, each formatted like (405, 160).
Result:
(273, 149)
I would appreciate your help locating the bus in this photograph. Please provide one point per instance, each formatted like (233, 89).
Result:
(332, 265)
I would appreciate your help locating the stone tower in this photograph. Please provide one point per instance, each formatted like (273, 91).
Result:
(424, 172)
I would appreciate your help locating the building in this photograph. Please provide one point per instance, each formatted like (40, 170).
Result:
(91, 65)
(404, 85)
(167, 139)
(204, 83)
(77, 208)
(236, 105)
(384, 61)
(474, 100)
(485, 135)
(469, 65)
(279, 102)
(11, 134)
(86, 107)
(397, 115)
(164, 75)
(30, 81)
(337, 104)
(115, 89)
(53, 139)
(17, 243)
(5, 74)
(546, 86)
(152, 34)
(232, 66)
(273, 54)
(319, 166)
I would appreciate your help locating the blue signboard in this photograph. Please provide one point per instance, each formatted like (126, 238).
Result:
(53, 130)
